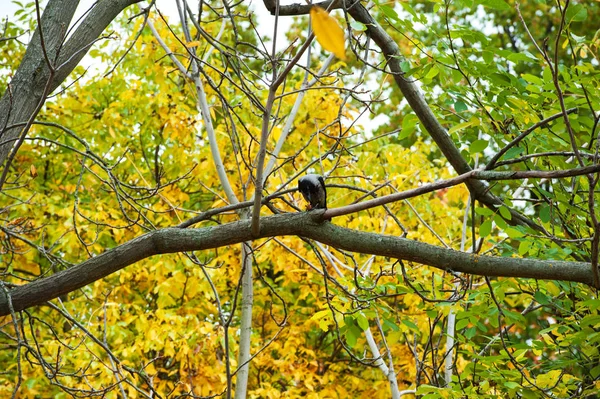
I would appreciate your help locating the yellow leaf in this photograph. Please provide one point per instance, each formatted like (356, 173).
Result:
(323, 318)
(320, 314)
(328, 32)
(460, 126)
(549, 379)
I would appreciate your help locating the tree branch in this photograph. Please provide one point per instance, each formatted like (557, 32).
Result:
(26, 89)
(304, 224)
(415, 99)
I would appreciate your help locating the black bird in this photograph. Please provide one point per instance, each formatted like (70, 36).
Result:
(313, 190)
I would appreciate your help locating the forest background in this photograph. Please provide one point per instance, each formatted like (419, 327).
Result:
(153, 243)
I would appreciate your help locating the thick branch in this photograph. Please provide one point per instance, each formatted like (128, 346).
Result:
(86, 34)
(26, 89)
(415, 99)
(305, 224)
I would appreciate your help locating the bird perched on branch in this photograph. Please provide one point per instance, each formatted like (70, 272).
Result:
(313, 190)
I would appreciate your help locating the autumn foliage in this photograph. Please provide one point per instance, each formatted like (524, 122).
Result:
(125, 147)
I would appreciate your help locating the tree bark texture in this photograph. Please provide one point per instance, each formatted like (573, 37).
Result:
(304, 224)
(35, 76)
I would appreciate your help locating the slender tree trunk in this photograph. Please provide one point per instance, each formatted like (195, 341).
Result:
(241, 386)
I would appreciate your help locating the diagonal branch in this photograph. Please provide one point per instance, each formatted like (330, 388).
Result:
(26, 90)
(415, 99)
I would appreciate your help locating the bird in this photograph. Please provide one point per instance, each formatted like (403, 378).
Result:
(313, 190)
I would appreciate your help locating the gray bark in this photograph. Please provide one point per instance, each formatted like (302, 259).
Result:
(305, 224)
(246, 305)
(34, 77)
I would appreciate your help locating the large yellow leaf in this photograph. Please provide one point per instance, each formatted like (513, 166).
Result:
(328, 32)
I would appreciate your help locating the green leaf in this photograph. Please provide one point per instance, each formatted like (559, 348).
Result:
(532, 79)
(432, 314)
(359, 26)
(513, 233)
(409, 124)
(409, 9)
(513, 152)
(493, 321)
(488, 57)
(432, 72)
(483, 211)
(460, 106)
(547, 74)
(576, 13)
(496, 4)
(545, 213)
(505, 212)
(410, 324)
(405, 66)
(541, 298)
(389, 12)
(478, 146)
(485, 229)
(470, 332)
(524, 56)
(387, 324)
(462, 324)
(592, 321)
(460, 126)
(524, 247)
(31, 382)
(528, 394)
(499, 79)
(501, 223)
(352, 336)
(362, 321)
